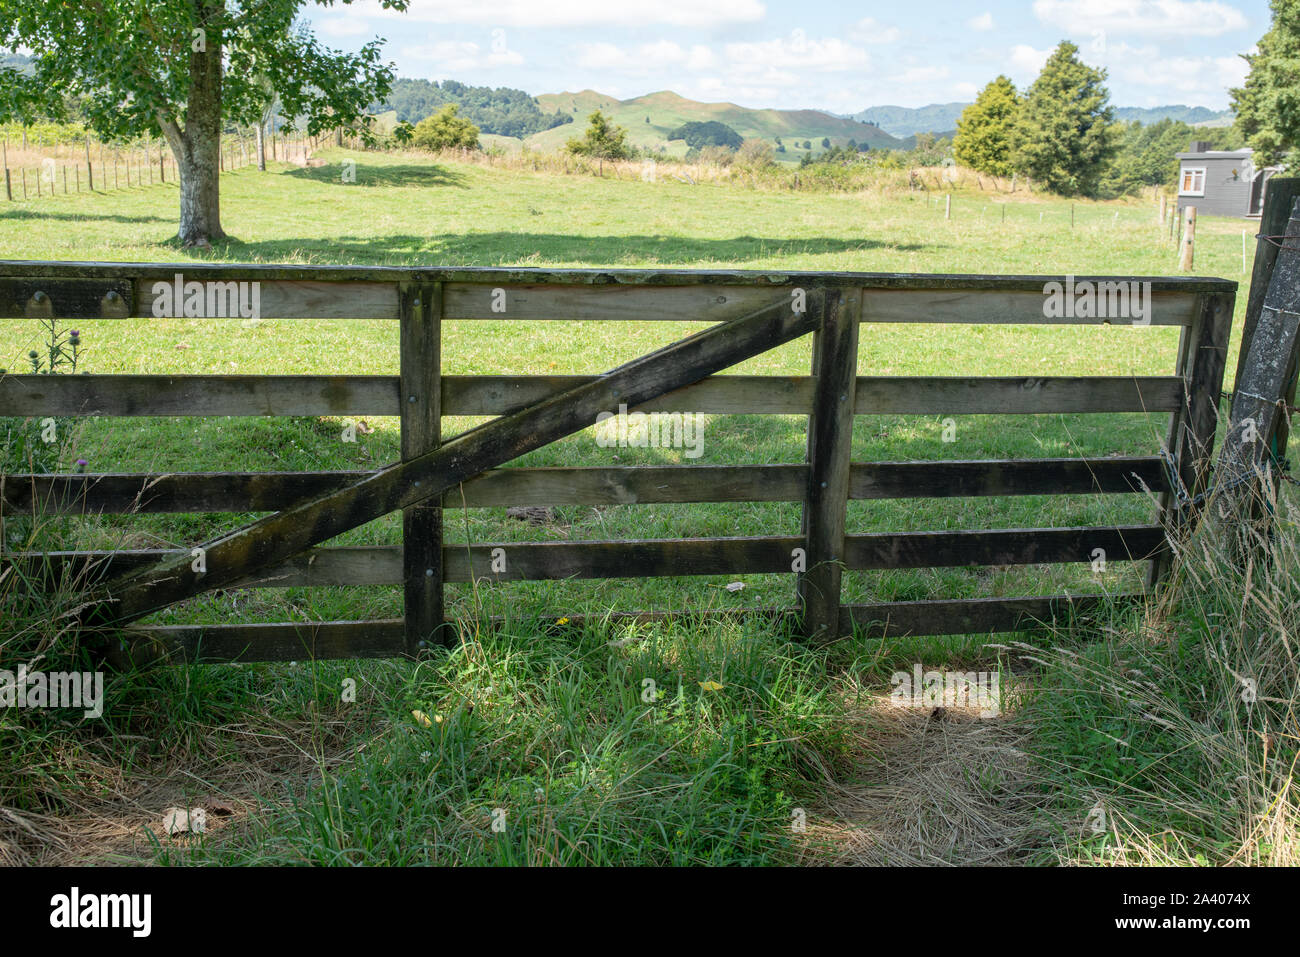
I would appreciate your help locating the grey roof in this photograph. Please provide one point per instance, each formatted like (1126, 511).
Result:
(1217, 154)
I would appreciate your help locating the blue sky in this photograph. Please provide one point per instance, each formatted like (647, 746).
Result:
(842, 57)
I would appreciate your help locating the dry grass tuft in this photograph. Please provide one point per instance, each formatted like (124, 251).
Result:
(946, 789)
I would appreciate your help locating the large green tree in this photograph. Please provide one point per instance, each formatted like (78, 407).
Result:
(446, 129)
(1268, 105)
(983, 139)
(1063, 137)
(181, 69)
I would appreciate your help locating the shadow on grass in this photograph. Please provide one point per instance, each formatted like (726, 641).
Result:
(376, 175)
(505, 248)
(34, 214)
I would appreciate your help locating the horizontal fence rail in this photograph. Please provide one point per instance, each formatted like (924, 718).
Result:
(757, 311)
(588, 485)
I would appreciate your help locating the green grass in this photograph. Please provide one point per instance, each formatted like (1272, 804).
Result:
(701, 776)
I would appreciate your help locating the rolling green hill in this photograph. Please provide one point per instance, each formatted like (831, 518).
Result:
(666, 111)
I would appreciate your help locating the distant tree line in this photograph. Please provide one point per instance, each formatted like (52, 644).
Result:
(502, 110)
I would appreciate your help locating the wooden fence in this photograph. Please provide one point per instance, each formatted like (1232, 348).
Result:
(751, 313)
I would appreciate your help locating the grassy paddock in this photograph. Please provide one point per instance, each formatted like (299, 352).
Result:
(701, 774)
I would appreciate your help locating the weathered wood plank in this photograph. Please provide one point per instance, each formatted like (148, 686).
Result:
(275, 299)
(149, 493)
(1115, 475)
(523, 276)
(625, 302)
(54, 296)
(960, 395)
(1259, 400)
(1024, 306)
(135, 395)
(132, 395)
(651, 558)
(1280, 194)
(421, 357)
(830, 443)
(281, 535)
(324, 567)
(1027, 546)
(504, 394)
(590, 485)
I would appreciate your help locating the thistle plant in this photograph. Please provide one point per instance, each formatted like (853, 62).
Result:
(38, 444)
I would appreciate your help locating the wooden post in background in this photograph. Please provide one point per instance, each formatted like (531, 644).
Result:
(90, 170)
(1187, 249)
(420, 314)
(830, 441)
(947, 206)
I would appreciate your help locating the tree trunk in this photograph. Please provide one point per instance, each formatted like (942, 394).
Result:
(197, 148)
(261, 147)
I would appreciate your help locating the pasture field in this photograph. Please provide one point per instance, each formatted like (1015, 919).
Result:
(553, 731)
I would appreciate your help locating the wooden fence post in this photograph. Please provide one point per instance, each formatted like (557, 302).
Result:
(1279, 198)
(9, 189)
(1187, 250)
(830, 440)
(421, 389)
(1267, 376)
(1202, 358)
(90, 170)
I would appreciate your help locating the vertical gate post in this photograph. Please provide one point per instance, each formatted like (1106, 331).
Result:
(420, 314)
(1260, 403)
(1202, 358)
(1279, 199)
(830, 438)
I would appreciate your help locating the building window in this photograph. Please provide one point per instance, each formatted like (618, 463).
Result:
(1193, 181)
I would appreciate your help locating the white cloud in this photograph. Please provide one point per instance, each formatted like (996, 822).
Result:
(871, 30)
(966, 91)
(1205, 78)
(1205, 18)
(572, 13)
(983, 22)
(821, 56)
(1026, 60)
(343, 26)
(646, 58)
(450, 56)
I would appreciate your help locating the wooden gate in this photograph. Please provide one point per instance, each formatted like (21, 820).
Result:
(752, 313)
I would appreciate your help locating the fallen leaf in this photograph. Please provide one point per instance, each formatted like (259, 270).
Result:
(735, 586)
(710, 686)
(422, 719)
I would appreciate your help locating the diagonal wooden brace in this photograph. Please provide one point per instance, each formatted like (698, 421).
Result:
(286, 533)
